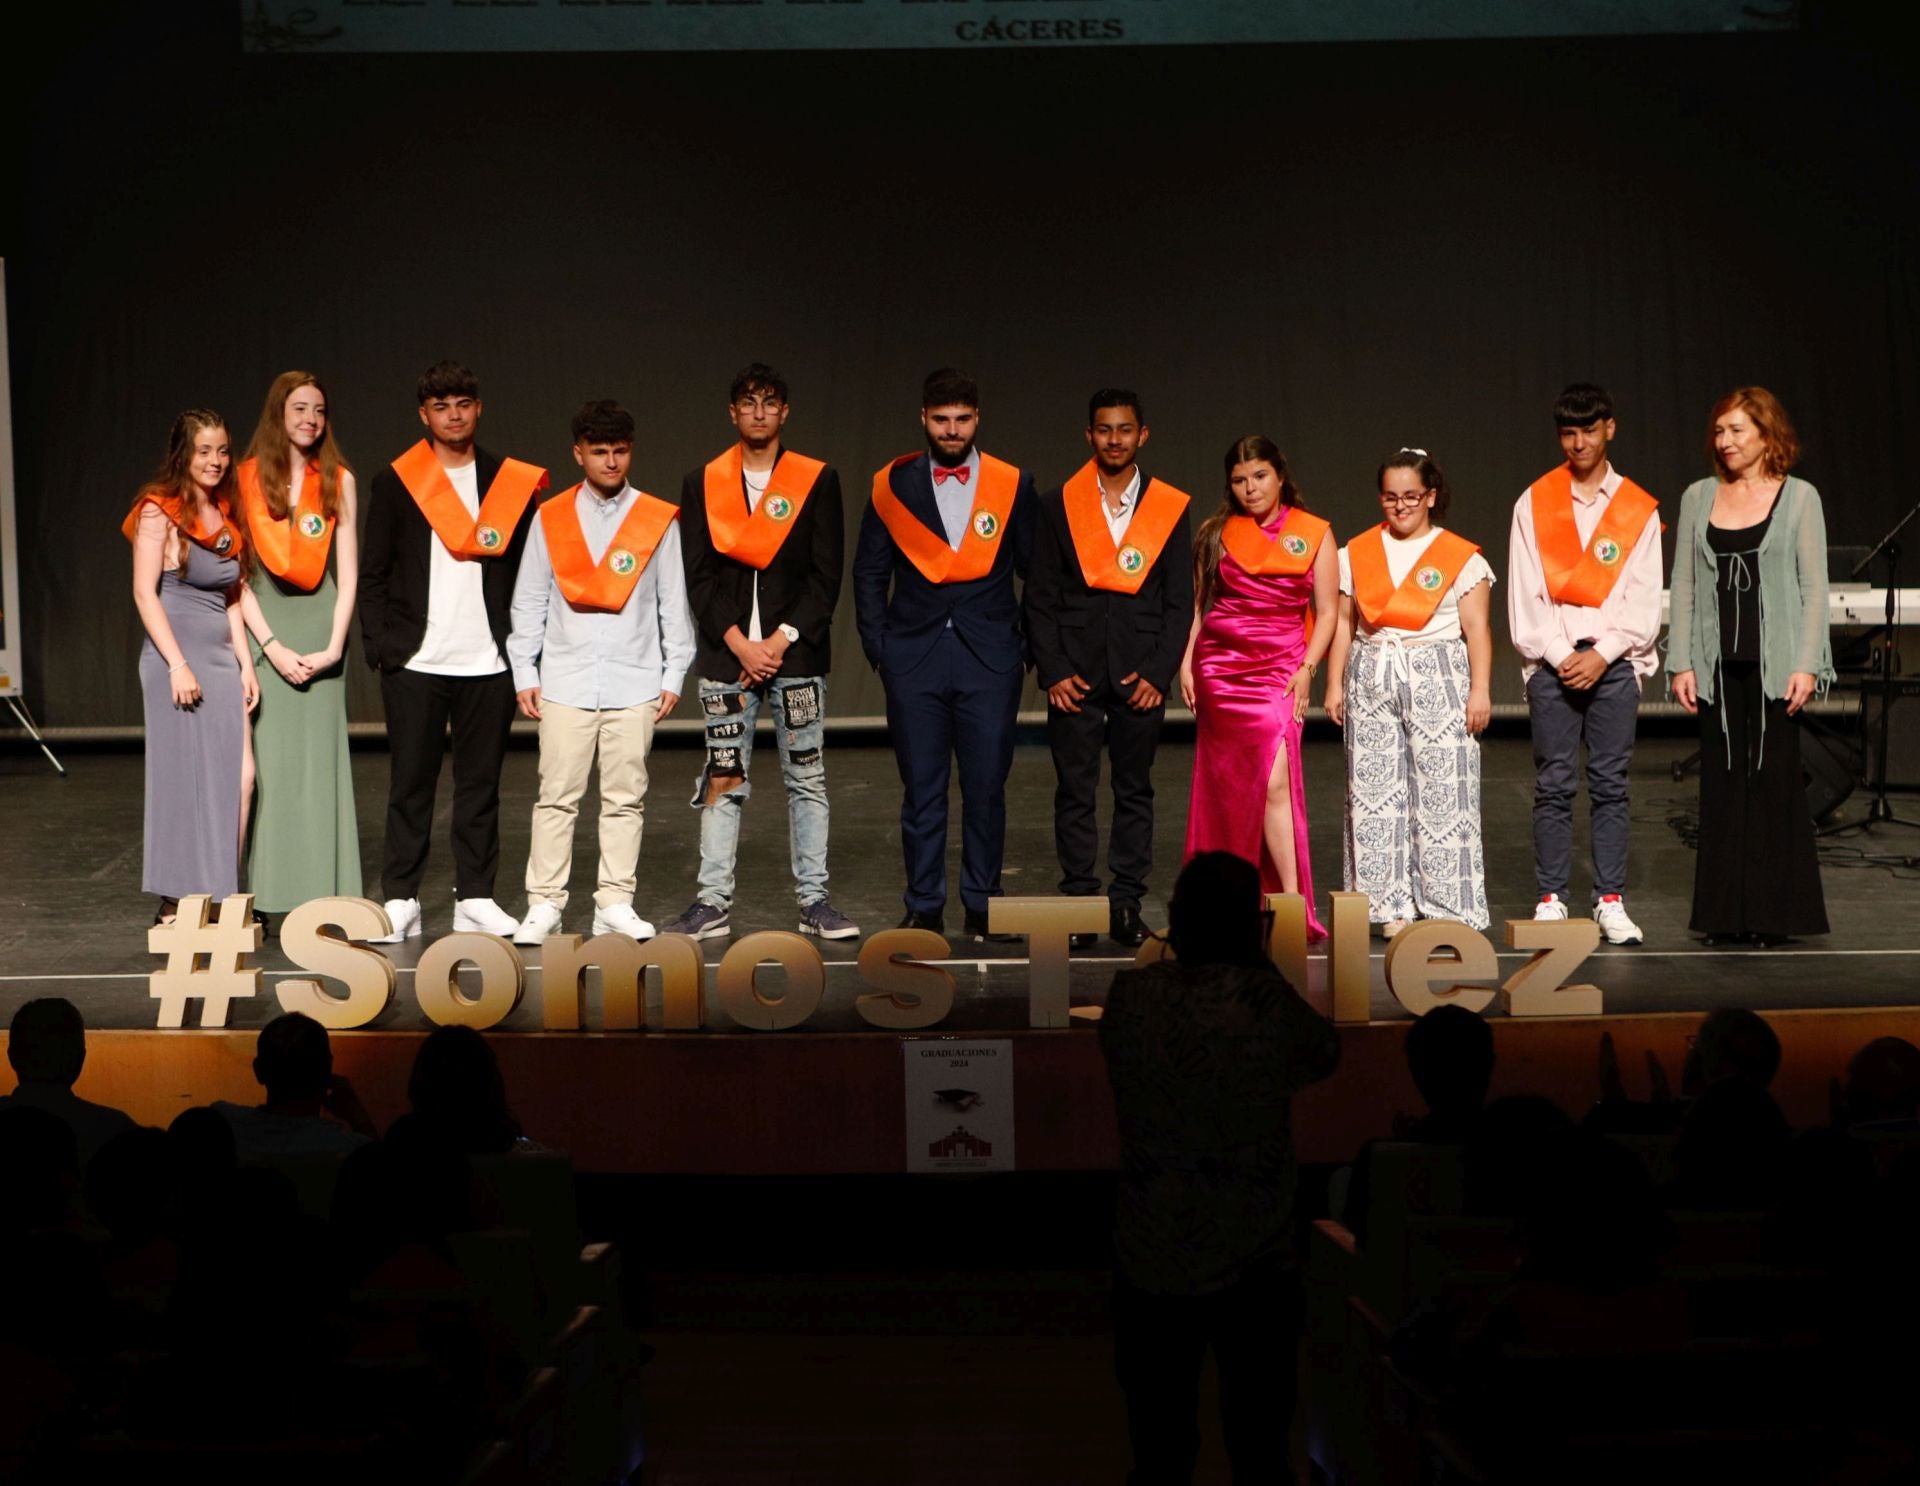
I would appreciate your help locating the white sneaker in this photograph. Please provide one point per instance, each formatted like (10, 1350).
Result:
(404, 915)
(619, 918)
(543, 918)
(1611, 914)
(483, 916)
(1549, 907)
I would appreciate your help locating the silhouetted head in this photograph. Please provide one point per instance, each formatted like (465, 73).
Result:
(1883, 1081)
(1215, 917)
(39, 1165)
(456, 1084)
(1449, 1052)
(130, 1184)
(1731, 1043)
(47, 1043)
(1729, 1151)
(293, 1059)
(1589, 1216)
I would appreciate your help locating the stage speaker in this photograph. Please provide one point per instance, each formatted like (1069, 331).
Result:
(1903, 732)
(1831, 769)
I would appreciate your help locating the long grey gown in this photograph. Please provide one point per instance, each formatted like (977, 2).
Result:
(194, 754)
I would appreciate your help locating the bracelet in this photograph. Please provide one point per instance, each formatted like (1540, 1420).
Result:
(181, 667)
(265, 643)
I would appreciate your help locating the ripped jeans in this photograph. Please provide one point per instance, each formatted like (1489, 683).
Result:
(799, 709)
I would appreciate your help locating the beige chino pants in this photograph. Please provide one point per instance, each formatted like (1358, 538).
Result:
(569, 739)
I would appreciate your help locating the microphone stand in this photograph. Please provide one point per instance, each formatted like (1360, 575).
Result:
(1879, 812)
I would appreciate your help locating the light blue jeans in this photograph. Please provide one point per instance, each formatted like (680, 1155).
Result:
(799, 706)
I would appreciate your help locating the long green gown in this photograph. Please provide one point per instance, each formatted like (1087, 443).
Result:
(305, 839)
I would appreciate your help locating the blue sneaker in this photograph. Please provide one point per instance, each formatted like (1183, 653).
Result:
(824, 921)
(701, 921)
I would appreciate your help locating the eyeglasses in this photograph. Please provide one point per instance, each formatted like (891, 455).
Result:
(1403, 500)
(760, 404)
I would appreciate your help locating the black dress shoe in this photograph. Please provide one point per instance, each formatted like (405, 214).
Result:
(916, 919)
(1081, 941)
(976, 929)
(1726, 941)
(1125, 926)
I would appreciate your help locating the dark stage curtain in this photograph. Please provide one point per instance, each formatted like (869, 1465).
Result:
(1349, 247)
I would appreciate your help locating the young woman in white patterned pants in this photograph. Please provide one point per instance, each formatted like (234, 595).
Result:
(1408, 679)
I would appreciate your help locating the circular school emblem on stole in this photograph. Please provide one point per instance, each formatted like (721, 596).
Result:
(778, 507)
(489, 538)
(986, 526)
(1295, 544)
(1606, 552)
(1131, 560)
(621, 561)
(312, 526)
(223, 544)
(1428, 578)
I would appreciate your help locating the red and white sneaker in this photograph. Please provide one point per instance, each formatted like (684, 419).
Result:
(1611, 914)
(1549, 908)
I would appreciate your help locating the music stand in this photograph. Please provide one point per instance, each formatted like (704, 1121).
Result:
(1879, 811)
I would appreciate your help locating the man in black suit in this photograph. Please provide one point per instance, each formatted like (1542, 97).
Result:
(440, 547)
(1109, 599)
(947, 531)
(765, 547)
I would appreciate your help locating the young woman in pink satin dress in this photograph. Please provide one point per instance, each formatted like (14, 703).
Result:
(1266, 589)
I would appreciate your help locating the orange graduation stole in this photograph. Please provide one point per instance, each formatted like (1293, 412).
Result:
(927, 549)
(293, 547)
(1584, 576)
(227, 539)
(1291, 552)
(1411, 603)
(755, 537)
(484, 535)
(608, 583)
(1155, 515)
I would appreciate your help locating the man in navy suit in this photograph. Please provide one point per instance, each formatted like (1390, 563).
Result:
(947, 531)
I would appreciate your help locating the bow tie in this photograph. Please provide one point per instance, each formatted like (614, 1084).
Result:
(960, 472)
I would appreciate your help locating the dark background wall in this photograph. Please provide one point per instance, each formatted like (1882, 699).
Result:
(1350, 247)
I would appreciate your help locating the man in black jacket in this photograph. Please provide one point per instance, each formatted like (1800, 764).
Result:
(440, 547)
(764, 550)
(1109, 599)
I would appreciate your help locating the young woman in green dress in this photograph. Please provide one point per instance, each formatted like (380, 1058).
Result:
(298, 493)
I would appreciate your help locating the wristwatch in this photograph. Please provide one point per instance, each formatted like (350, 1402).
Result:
(792, 634)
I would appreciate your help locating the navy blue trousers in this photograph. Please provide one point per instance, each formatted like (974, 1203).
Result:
(950, 706)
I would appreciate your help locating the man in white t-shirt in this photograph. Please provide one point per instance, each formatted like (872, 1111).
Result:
(440, 547)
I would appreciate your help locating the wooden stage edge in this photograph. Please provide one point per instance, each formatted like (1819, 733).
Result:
(800, 1103)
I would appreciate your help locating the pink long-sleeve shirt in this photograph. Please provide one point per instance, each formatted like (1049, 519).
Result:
(1627, 623)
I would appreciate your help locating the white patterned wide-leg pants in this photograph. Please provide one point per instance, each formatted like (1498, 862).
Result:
(1412, 842)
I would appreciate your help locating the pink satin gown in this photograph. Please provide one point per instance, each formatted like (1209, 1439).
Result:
(1251, 642)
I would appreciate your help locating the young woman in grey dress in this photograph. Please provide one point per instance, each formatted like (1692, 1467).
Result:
(298, 497)
(196, 673)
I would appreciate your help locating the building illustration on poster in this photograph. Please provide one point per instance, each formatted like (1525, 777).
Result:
(959, 1105)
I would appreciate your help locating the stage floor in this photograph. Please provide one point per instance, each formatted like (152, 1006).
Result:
(75, 925)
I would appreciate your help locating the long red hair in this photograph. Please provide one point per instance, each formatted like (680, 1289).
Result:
(272, 450)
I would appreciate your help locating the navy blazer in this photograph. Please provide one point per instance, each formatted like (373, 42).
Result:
(395, 539)
(1077, 629)
(897, 630)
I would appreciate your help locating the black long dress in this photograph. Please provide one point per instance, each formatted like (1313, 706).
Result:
(1757, 871)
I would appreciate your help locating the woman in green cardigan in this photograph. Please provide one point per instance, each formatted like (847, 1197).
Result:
(1747, 646)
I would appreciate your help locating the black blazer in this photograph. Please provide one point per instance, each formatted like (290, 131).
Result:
(799, 587)
(897, 631)
(395, 574)
(1074, 629)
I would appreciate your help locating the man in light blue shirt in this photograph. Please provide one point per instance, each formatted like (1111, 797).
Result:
(601, 642)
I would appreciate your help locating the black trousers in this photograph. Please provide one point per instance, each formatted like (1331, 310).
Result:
(1160, 1342)
(419, 707)
(1130, 738)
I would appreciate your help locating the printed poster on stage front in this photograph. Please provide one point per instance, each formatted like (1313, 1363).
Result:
(959, 1105)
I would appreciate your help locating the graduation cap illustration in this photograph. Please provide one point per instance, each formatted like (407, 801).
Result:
(960, 1099)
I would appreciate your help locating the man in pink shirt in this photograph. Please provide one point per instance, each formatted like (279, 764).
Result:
(1583, 606)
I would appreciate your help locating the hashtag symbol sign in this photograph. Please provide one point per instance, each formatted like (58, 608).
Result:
(203, 959)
